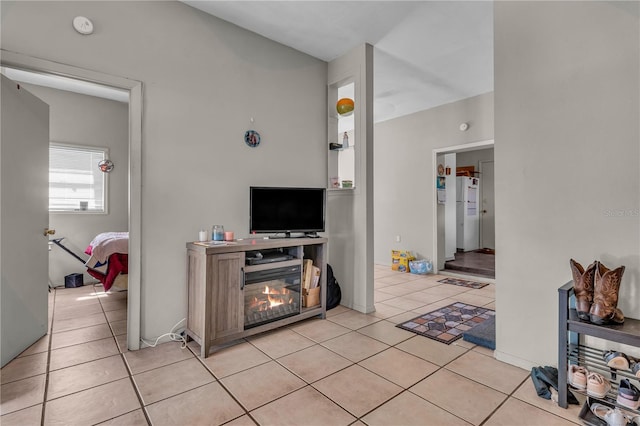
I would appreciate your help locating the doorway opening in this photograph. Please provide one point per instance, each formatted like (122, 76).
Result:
(465, 220)
(133, 89)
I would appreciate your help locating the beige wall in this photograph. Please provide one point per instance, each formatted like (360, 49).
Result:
(404, 179)
(350, 211)
(566, 161)
(203, 81)
(88, 121)
(473, 158)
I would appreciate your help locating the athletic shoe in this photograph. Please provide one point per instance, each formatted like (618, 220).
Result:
(597, 385)
(577, 376)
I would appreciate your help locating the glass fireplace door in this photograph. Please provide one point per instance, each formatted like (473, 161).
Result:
(271, 294)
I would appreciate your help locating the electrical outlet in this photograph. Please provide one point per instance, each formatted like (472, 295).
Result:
(398, 238)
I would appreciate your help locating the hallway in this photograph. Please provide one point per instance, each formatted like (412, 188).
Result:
(478, 262)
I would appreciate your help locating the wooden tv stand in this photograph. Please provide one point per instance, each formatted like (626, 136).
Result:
(215, 279)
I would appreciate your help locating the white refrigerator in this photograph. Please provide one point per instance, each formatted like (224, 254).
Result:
(467, 213)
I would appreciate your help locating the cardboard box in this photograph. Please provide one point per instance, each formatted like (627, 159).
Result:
(400, 260)
(311, 297)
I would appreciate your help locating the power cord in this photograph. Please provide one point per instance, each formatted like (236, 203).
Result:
(173, 336)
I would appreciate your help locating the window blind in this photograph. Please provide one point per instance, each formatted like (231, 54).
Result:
(75, 179)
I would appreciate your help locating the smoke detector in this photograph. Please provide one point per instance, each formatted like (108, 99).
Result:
(83, 25)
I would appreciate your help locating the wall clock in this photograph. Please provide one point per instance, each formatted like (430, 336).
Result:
(252, 138)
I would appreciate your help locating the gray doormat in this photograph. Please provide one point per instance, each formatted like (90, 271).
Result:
(483, 334)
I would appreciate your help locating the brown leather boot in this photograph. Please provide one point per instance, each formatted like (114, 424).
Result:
(604, 309)
(583, 287)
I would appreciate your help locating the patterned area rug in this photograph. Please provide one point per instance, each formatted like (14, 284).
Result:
(447, 324)
(463, 283)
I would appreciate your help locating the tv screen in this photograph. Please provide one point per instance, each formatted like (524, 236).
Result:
(278, 209)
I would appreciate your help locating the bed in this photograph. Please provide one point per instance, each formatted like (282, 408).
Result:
(109, 260)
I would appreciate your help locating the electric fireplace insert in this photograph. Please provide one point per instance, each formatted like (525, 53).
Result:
(272, 294)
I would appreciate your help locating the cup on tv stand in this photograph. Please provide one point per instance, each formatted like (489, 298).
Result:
(228, 236)
(217, 233)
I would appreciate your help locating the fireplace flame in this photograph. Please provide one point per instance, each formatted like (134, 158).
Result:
(272, 298)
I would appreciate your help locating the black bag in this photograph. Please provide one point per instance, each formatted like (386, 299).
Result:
(333, 290)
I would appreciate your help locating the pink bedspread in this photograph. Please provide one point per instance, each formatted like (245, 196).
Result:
(109, 257)
(118, 264)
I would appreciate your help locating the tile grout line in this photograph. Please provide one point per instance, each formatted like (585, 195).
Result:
(509, 396)
(307, 384)
(126, 364)
(403, 389)
(440, 368)
(119, 353)
(222, 385)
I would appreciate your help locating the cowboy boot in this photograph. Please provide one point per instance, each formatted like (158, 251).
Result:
(604, 309)
(583, 287)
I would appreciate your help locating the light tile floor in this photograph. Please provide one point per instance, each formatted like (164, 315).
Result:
(351, 368)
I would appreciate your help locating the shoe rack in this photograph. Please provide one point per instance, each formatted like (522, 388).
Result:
(572, 350)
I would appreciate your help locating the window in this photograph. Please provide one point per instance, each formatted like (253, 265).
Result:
(75, 181)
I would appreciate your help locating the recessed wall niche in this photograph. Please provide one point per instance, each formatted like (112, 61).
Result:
(342, 138)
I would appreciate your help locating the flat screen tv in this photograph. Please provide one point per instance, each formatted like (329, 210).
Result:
(286, 210)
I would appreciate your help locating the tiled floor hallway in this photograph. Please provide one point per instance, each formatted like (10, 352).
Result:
(349, 369)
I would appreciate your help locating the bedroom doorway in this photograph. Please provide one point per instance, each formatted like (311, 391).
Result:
(464, 213)
(134, 146)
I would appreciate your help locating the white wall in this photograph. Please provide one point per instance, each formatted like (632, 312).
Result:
(203, 81)
(566, 161)
(89, 121)
(473, 158)
(404, 182)
(350, 211)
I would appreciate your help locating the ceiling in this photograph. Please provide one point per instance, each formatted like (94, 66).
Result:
(426, 53)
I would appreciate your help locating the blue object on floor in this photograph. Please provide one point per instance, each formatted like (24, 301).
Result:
(483, 334)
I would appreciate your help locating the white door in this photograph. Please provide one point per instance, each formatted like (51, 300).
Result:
(24, 182)
(487, 212)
